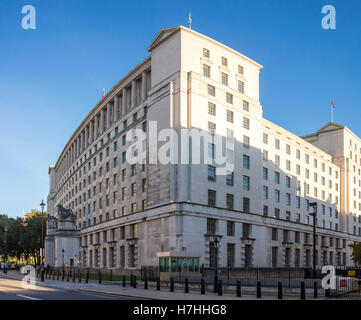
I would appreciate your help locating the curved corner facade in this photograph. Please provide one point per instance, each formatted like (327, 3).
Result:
(133, 214)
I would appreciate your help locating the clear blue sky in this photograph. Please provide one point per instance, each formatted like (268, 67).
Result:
(51, 77)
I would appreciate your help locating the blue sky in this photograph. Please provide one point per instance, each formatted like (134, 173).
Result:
(51, 77)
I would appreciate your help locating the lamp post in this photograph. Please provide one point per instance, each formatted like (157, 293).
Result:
(62, 253)
(215, 245)
(314, 215)
(42, 205)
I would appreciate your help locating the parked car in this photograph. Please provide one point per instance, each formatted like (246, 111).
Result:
(12, 266)
(2, 264)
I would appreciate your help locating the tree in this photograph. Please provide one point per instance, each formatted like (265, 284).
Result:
(356, 253)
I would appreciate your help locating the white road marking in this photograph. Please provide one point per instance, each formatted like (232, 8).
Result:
(27, 297)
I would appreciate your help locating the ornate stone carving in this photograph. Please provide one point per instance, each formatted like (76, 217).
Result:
(65, 213)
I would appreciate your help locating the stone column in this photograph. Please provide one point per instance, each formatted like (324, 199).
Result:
(95, 127)
(144, 85)
(108, 115)
(124, 101)
(115, 109)
(101, 122)
(86, 138)
(134, 90)
(91, 132)
(133, 102)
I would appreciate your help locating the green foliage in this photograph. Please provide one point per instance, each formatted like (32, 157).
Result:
(23, 235)
(356, 253)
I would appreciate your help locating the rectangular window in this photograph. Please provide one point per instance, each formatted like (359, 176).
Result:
(246, 183)
(206, 70)
(246, 163)
(229, 98)
(245, 106)
(211, 109)
(245, 123)
(229, 201)
(211, 198)
(225, 79)
(211, 226)
(230, 228)
(211, 90)
(211, 173)
(205, 53)
(230, 255)
(230, 116)
(246, 205)
(241, 86)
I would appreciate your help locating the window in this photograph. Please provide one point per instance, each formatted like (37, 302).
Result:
(277, 177)
(225, 79)
(230, 116)
(211, 226)
(240, 69)
(224, 61)
(274, 234)
(211, 198)
(211, 90)
(211, 173)
(288, 181)
(230, 255)
(265, 173)
(134, 207)
(206, 70)
(229, 201)
(246, 161)
(288, 215)
(265, 192)
(205, 53)
(134, 189)
(246, 183)
(246, 205)
(229, 98)
(211, 109)
(277, 196)
(265, 155)
(230, 228)
(265, 211)
(241, 86)
(245, 123)
(246, 142)
(229, 179)
(265, 138)
(245, 105)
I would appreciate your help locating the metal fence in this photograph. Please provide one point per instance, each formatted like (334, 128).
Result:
(348, 279)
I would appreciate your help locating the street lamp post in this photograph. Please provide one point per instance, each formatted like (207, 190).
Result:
(215, 244)
(42, 205)
(314, 215)
(62, 252)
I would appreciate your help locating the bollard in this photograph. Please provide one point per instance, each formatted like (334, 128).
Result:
(87, 276)
(63, 275)
(99, 276)
(73, 276)
(315, 294)
(131, 280)
(258, 289)
(303, 295)
(171, 287)
(145, 283)
(67, 276)
(123, 280)
(238, 288)
(134, 281)
(220, 288)
(186, 286)
(42, 276)
(280, 293)
(79, 276)
(203, 287)
(58, 275)
(215, 284)
(158, 284)
(54, 275)
(327, 292)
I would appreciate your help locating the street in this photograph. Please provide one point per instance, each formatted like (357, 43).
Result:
(12, 290)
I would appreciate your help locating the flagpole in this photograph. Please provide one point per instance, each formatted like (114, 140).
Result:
(331, 114)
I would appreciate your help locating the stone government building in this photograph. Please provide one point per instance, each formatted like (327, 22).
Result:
(127, 216)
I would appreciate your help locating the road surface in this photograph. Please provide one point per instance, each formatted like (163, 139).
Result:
(13, 290)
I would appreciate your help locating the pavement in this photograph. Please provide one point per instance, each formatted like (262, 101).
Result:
(65, 290)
